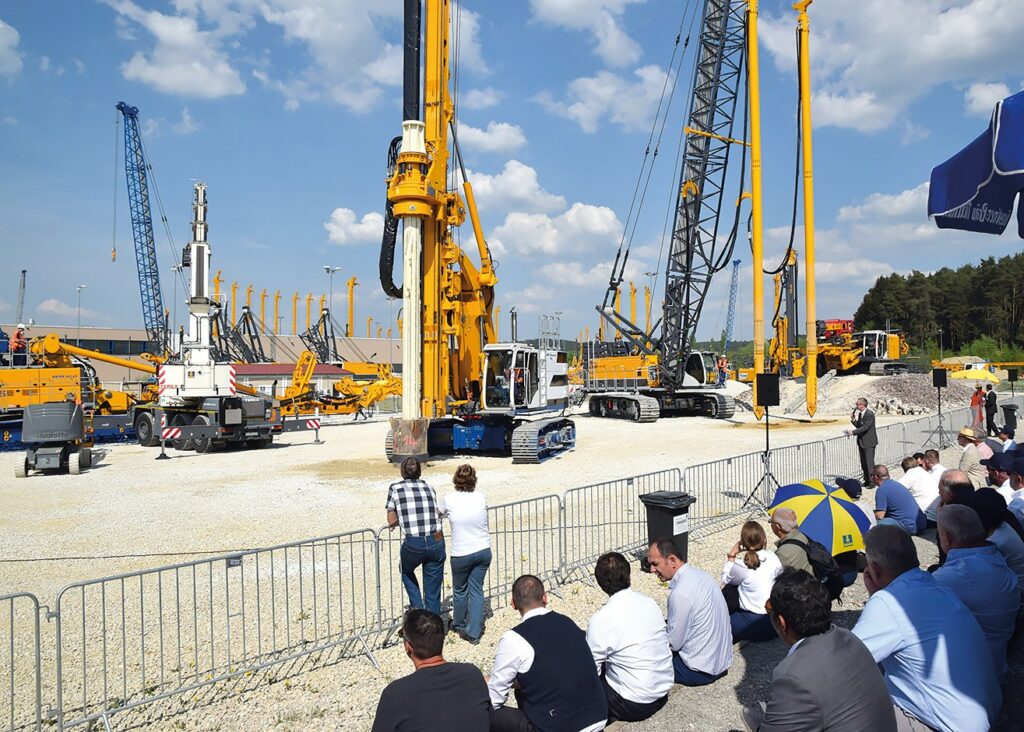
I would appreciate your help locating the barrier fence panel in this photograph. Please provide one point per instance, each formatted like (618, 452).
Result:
(609, 516)
(20, 672)
(131, 640)
(841, 458)
(797, 463)
(890, 450)
(723, 488)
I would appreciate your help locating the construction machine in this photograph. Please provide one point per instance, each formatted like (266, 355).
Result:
(877, 352)
(453, 370)
(371, 384)
(56, 438)
(646, 373)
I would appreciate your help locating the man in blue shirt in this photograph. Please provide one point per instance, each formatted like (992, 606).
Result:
(933, 653)
(979, 577)
(894, 504)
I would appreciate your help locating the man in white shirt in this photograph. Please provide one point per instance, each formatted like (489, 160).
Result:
(630, 645)
(998, 474)
(1005, 436)
(548, 660)
(1015, 469)
(932, 464)
(699, 632)
(923, 486)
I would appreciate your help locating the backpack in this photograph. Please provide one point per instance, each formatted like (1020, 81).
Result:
(823, 564)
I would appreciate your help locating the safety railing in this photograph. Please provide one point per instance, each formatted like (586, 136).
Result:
(20, 662)
(608, 517)
(142, 637)
(128, 644)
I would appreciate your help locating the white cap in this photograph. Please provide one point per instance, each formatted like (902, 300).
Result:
(21, 326)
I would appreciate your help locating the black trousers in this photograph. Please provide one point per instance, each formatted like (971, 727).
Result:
(867, 462)
(990, 424)
(625, 710)
(510, 719)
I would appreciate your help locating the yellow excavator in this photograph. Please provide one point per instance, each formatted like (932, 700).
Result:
(372, 384)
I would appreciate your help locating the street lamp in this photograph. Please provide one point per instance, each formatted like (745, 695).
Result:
(78, 336)
(330, 274)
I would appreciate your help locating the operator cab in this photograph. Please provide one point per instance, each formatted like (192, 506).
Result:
(517, 376)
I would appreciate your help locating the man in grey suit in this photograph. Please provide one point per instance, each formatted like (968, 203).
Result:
(970, 460)
(828, 680)
(863, 421)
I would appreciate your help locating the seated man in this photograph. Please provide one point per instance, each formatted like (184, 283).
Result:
(923, 486)
(787, 528)
(630, 645)
(970, 459)
(438, 695)
(894, 504)
(932, 651)
(980, 578)
(998, 467)
(996, 519)
(699, 631)
(1005, 436)
(822, 660)
(547, 658)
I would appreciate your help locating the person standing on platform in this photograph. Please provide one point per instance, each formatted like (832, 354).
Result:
(991, 407)
(977, 407)
(863, 420)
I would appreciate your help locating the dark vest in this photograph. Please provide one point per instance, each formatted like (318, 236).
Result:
(561, 692)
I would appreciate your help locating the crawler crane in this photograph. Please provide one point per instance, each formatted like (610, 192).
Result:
(462, 391)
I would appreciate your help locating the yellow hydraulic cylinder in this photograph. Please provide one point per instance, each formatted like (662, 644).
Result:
(323, 301)
(248, 296)
(380, 330)
(309, 310)
(369, 325)
(234, 300)
(295, 313)
(811, 367)
(632, 303)
(497, 322)
(277, 301)
(350, 329)
(588, 333)
(389, 334)
(757, 221)
(216, 297)
(263, 310)
(647, 310)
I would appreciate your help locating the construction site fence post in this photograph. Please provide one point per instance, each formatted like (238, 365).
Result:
(21, 662)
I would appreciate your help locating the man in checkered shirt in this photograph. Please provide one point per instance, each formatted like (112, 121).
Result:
(412, 504)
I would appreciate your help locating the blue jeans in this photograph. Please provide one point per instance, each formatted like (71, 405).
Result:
(688, 677)
(468, 574)
(748, 626)
(429, 552)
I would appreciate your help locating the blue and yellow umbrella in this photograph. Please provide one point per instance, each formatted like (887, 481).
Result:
(826, 514)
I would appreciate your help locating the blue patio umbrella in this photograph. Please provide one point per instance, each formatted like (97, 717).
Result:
(826, 514)
(975, 189)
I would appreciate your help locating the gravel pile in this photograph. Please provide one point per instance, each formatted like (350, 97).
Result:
(889, 394)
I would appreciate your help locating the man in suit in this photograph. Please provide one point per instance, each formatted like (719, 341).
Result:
(991, 408)
(828, 680)
(970, 460)
(863, 420)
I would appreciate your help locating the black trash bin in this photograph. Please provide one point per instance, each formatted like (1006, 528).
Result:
(668, 516)
(1010, 416)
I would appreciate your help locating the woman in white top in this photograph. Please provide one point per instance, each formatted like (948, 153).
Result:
(470, 552)
(747, 584)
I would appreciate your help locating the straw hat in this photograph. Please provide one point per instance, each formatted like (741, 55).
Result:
(968, 433)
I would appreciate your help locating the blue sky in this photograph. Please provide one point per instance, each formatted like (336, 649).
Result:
(286, 107)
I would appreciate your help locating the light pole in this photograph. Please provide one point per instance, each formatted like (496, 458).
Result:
(330, 274)
(940, 344)
(78, 335)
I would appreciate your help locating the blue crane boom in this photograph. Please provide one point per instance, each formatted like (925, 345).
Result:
(135, 168)
(731, 318)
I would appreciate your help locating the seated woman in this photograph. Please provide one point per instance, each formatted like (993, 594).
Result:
(747, 584)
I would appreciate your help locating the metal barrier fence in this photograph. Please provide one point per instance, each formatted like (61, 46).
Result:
(141, 637)
(130, 641)
(608, 517)
(20, 661)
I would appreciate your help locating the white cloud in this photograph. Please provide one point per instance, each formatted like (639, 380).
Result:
(466, 39)
(981, 98)
(484, 98)
(44, 63)
(908, 204)
(514, 188)
(628, 103)
(79, 66)
(576, 274)
(187, 125)
(10, 57)
(53, 306)
(387, 69)
(867, 74)
(151, 128)
(345, 229)
(582, 227)
(185, 60)
(601, 18)
(499, 137)
(10, 120)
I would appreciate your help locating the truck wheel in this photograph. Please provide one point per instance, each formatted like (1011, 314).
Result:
(389, 446)
(182, 443)
(202, 444)
(21, 469)
(85, 457)
(145, 430)
(75, 462)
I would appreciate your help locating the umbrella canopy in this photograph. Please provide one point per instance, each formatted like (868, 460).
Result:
(976, 374)
(975, 189)
(826, 514)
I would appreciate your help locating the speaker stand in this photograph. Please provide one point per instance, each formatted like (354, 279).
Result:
(768, 479)
(938, 436)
